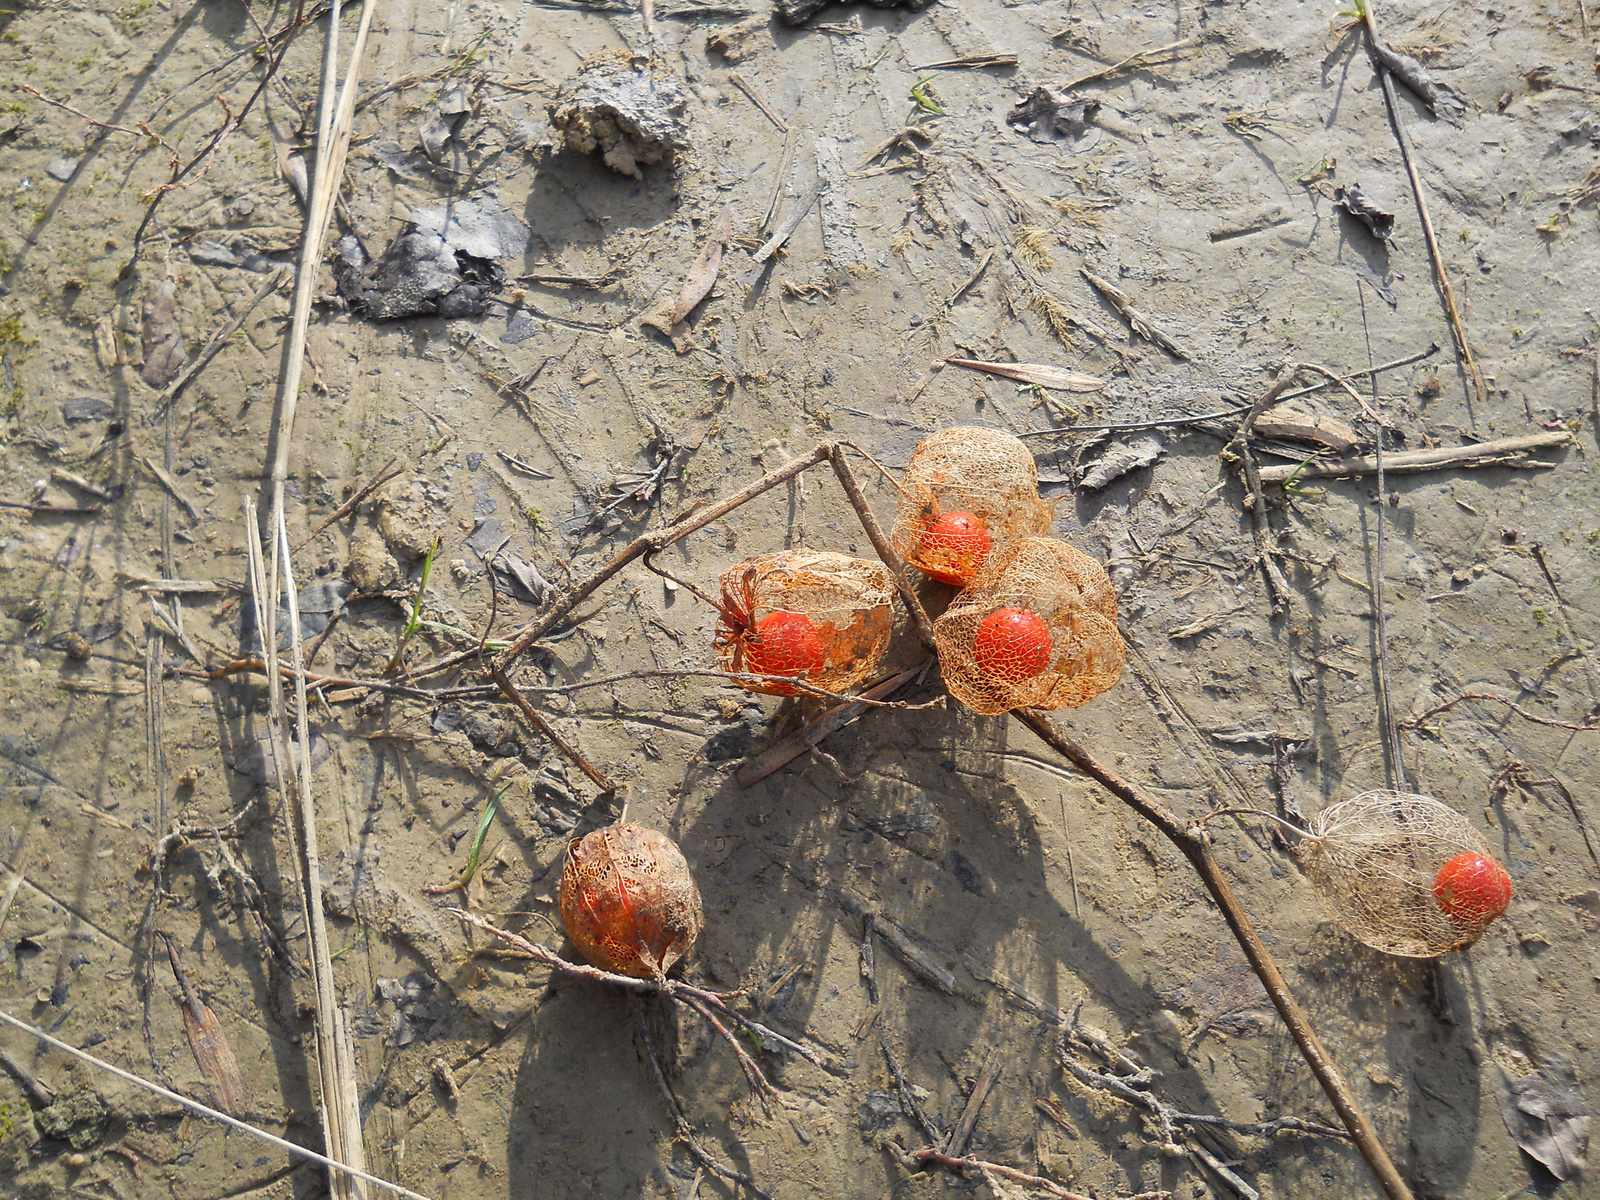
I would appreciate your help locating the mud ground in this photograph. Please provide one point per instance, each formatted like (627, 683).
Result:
(1196, 190)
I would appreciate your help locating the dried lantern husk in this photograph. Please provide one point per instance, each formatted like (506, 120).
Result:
(968, 469)
(1374, 861)
(628, 900)
(1065, 589)
(849, 602)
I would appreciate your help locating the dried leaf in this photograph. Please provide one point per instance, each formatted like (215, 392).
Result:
(1038, 374)
(1201, 625)
(212, 1053)
(1118, 460)
(290, 162)
(1230, 1002)
(1551, 1127)
(518, 578)
(99, 632)
(259, 763)
(1350, 199)
(1047, 116)
(435, 133)
(1440, 98)
(697, 285)
(215, 1059)
(163, 344)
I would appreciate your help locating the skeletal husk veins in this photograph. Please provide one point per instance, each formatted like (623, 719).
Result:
(848, 602)
(1375, 860)
(1070, 595)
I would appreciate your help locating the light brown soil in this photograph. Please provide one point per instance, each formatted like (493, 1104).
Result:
(962, 829)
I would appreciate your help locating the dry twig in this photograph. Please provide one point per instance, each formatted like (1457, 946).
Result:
(1193, 843)
(683, 1131)
(675, 989)
(1266, 543)
(1420, 722)
(1501, 452)
(955, 1146)
(1142, 59)
(1457, 330)
(383, 476)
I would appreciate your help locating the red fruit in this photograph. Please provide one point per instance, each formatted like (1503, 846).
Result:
(1472, 889)
(1011, 645)
(784, 643)
(953, 548)
(628, 900)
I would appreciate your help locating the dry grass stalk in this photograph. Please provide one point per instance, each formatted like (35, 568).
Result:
(335, 1057)
(1056, 315)
(1085, 212)
(341, 1101)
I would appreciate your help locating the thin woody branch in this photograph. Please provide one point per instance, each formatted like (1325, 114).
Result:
(645, 544)
(1192, 842)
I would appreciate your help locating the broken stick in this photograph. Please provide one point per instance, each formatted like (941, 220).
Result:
(1501, 452)
(1440, 277)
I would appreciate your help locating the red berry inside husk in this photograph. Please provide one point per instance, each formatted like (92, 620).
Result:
(1472, 889)
(784, 643)
(1011, 645)
(629, 901)
(953, 548)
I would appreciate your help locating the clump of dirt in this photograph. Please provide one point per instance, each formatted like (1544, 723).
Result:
(78, 1117)
(633, 117)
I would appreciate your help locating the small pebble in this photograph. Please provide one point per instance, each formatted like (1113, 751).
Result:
(62, 168)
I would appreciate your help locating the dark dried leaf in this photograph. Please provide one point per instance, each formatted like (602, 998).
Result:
(1440, 98)
(1551, 1127)
(391, 155)
(212, 1053)
(1230, 1002)
(87, 408)
(259, 763)
(215, 1059)
(519, 578)
(1047, 116)
(486, 538)
(163, 343)
(1350, 199)
(519, 328)
(100, 632)
(317, 603)
(435, 133)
